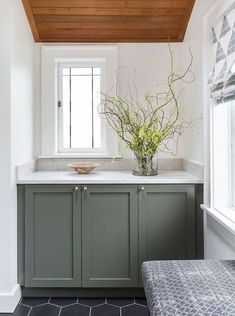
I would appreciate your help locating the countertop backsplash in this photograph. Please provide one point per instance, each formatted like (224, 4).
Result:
(61, 164)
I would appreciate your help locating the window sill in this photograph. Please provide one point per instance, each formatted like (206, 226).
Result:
(223, 219)
(80, 156)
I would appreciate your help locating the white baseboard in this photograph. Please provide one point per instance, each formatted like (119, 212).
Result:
(9, 301)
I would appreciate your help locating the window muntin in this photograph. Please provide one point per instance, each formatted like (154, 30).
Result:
(80, 126)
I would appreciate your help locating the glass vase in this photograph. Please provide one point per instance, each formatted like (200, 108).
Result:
(145, 165)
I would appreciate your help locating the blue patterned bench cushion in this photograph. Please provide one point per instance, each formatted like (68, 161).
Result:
(190, 287)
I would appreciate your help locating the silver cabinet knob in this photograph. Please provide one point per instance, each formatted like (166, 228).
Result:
(76, 189)
(85, 189)
(142, 188)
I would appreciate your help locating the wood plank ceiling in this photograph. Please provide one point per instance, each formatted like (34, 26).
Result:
(106, 21)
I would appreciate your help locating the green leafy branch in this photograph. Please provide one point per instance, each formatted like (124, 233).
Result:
(149, 127)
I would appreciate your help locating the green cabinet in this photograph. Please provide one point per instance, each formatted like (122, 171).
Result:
(110, 236)
(97, 236)
(166, 222)
(52, 236)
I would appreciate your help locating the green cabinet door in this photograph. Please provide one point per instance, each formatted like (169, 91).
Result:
(52, 236)
(166, 222)
(109, 236)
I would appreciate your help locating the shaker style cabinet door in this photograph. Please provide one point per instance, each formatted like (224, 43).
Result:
(110, 236)
(52, 236)
(166, 222)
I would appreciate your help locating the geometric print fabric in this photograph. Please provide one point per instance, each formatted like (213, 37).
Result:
(223, 43)
(190, 287)
(223, 39)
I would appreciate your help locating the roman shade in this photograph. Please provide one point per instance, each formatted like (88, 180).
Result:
(222, 77)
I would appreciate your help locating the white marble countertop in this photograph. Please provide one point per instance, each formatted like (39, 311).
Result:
(107, 177)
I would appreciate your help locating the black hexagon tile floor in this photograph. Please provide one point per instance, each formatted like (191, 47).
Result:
(64, 301)
(32, 301)
(75, 310)
(120, 302)
(46, 309)
(92, 301)
(73, 306)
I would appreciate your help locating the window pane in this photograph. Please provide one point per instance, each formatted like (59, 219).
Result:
(221, 156)
(96, 102)
(233, 150)
(81, 71)
(81, 112)
(81, 97)
(66, 112)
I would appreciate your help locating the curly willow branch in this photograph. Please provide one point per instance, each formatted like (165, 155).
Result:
(148, 128)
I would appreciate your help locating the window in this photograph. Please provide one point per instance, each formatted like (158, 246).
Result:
(223, 159)
(75, 75)
(221, 198)
(79, 92)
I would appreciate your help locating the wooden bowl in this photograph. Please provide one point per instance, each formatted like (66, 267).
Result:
(83, 167)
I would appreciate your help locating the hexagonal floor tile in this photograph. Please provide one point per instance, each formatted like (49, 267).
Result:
(34, 301)
(120, 301)
(91, 301)
(141, 301)
(135, 310)
(75, 310)
(63, 301)
(45, 310)
(21, 310)
(105, 310)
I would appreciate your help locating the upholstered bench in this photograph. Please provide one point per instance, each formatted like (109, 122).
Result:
(190, 287)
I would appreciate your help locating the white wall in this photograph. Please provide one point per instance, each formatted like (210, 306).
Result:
(192, 140)
(16, 113)
(22, 66)
(6, 242)
(219, 242)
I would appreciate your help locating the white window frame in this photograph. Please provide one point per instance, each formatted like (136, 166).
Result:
(223, 215)
(79, 64)
(50, 56)
(226, 208)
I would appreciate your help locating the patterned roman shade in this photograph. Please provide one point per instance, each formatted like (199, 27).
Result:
(222, 77)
